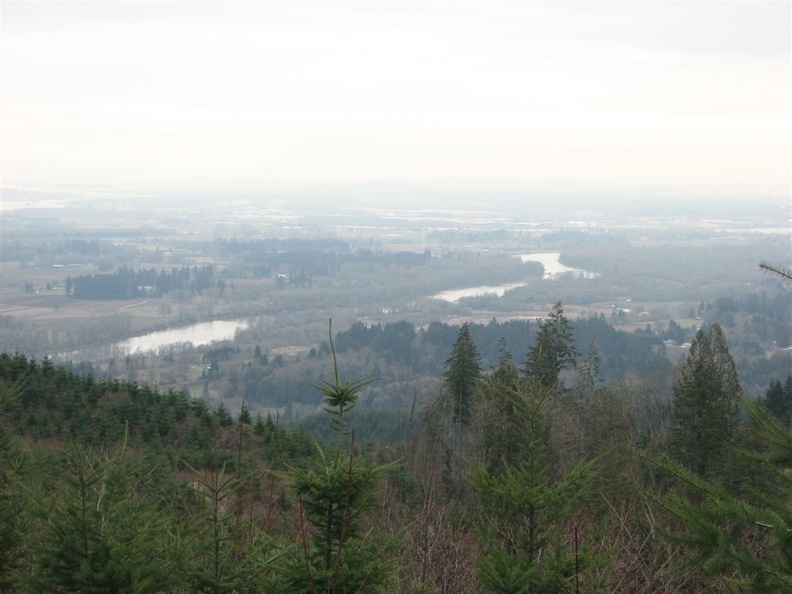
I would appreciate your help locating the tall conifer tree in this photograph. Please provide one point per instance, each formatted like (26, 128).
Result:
(778, 399)
(705, 404)
(463, 374)
(529, 506)
(553, 349)
(742, 540)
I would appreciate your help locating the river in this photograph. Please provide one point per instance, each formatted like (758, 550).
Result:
(197, 334)
(208, 332)
(553, 269)
(194, 334)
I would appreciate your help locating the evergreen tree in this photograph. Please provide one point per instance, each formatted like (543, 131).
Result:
(497, 418)
(743, 539)
(259, 428)
(462, 375)
(705, 406)
(553, 349)
(13, 466)
(244, 415)
(778, 399)
(588, 376)
(102, 534)
(337, 555)
(223, 416)
(227, 554)
(531, 541)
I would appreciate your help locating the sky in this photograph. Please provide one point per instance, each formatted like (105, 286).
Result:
(249, 96)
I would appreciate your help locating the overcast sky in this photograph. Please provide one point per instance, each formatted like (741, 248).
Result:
(240, 97)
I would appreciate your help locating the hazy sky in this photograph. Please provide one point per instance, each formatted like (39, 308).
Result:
(250, 95)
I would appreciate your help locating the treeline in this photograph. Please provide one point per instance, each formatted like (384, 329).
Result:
(767, 316)
(372, 427)
(425, 349)
(86, 247)
(399, 354)
(56, 402)
(299, 261)
(127, 283)
(266, 247)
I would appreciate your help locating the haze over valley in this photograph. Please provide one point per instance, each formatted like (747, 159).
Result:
(395, 297)
(281, 269)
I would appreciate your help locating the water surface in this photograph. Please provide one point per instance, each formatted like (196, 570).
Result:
(196, 334)
(553, 269)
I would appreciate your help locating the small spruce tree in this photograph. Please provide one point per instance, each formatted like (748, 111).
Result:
(102, 534)
(530, 539)
(337, 554)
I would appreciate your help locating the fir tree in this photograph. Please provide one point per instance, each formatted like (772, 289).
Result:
(778, 399)
(223, 416)
(705, 407)
(553, 349)
(337, 555)
(259, 428)
(244, 415)
(462, 375)
(530, 536)
(102, 534)
(13, 466)
(743, 539)
(226, 555)
(496, 416)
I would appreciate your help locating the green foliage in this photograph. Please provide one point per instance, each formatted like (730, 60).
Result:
(126, 283)
(56, 400)
(705, 404)
(529, 505)
(223, 416)
(13, 467)
(447, 419)
(100, 534)
(244, 415)
(127, 521)
(743, 540)
(370, 425)
(341, 398)
(498, 418)
(234, 526)
(462, 375)
(334, 493)
(778, 399)
(553, 350)
(529, 525)
(226, 553)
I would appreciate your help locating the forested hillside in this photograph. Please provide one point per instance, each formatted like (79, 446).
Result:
(409, 359)
(126, 283)
(532, 473)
